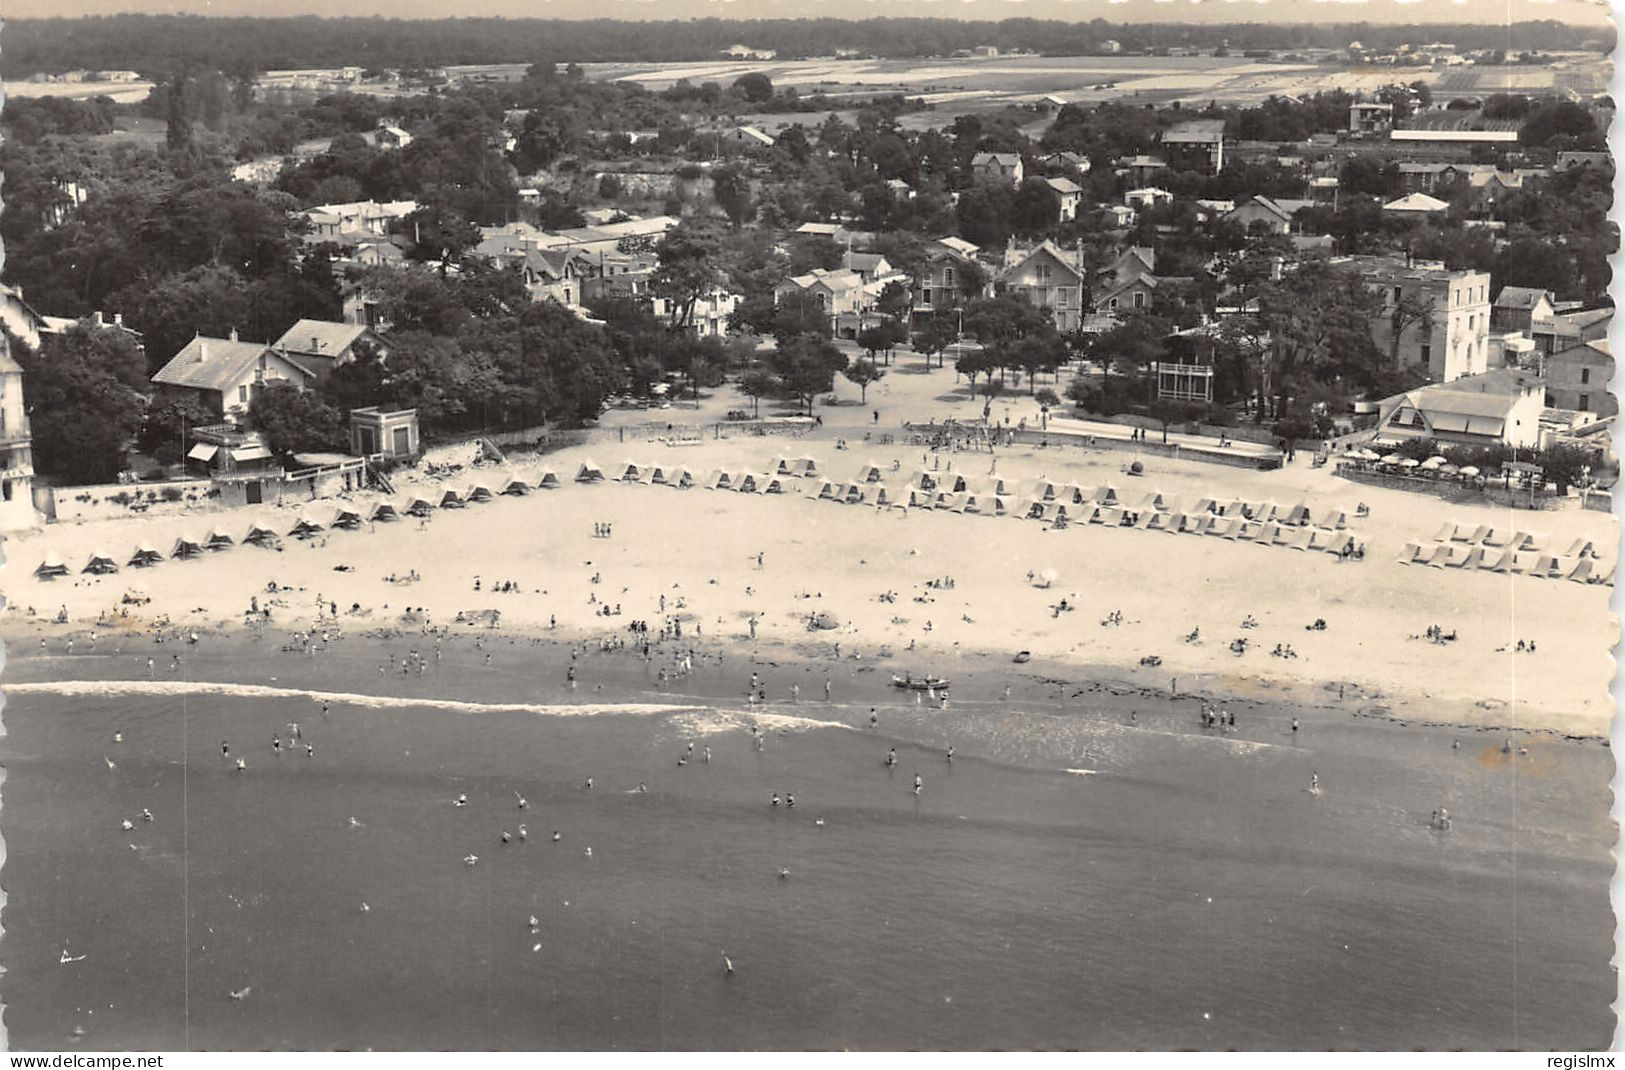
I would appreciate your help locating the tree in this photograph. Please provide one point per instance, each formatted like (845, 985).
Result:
(864, 372)
(807, 365)
(292, 419)
(83, 403)
(169, 417)
(755, 87)
(1168, 412)
(686, 270)
(758, 383)
(731, 187)
(1035, 209)
(940, 332)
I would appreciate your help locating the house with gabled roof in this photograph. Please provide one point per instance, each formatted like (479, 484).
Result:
(1046, 277)
(1518, 308)
(1276, 216)
(1003, 168)
(322, 345)
(940, 278)
(226, 374)
(1577, 378)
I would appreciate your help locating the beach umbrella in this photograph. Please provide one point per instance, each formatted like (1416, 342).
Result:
(1049, 576)
(1409, 462)
(1392, 458)
(1469, 470)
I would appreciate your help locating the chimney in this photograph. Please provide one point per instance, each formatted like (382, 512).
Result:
(315, 344)
(118, 319)
(202, 351)
(233, 334)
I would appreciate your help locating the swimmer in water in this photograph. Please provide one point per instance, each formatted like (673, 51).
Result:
(784, 874)
(643, 788)
(523, 833)
(506, 838)
(708, 755)
(471, 859)
(589, 783)
(891, 757)
(919, 783)
(775, 799)
(462, 800)
(146, 815)
(521, 799)
(556, 836)
(589, 852)
(950, 754)
(241, 765)
(1314, 783)
(727, 964)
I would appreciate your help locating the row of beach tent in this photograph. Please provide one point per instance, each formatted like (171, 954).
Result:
(1525, 560)
(1492, 538)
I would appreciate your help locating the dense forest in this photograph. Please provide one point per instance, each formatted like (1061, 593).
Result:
(155, 44)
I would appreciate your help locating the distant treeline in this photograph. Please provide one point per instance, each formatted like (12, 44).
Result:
(156, 44)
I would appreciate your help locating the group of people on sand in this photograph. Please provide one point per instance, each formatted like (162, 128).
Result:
(1214, 717)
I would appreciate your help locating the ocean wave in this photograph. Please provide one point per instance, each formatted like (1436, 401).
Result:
(710, 722)
(189, 688)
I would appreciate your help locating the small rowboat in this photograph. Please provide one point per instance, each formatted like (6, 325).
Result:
(926, 683)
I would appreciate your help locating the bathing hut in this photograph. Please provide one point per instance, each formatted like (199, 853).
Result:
(51, 568)
(347, 518)
(587, 472)
(100, 564)
(261, 535)
(145, 556)
(187, 547)
(219, 539)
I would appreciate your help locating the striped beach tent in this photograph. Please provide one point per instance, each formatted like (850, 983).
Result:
(417, 505)
(1106, 494)
(870, 473)
(633, 472)
(100, 564)
(187, 547)
(306, 526)
(1604, 572)
(720, 479)
(145, 556)
(516, 485)
(1250, 530)
(1203, 505)
(1581, 572)
(347, 517)
(548, 480)
(481, 492)
(452, 498)
(219, 539)
(588, 472)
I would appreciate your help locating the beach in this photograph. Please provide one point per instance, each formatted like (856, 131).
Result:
(1097, 865)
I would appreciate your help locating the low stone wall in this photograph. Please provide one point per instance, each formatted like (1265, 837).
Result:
(74, 505)
(1216, 455)
(1462, 493)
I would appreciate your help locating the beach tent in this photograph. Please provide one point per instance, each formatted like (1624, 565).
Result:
(1203, 505)
(51, 568)
(869, 473)
(920, 499)
(855, 493)
(1092, 514)
(479, 492)
(261, 535)
(1531, 542)
(1474, 558)
(1255, 510)
(1037, 511)
(1298, 514)
(680, 477)
(1231, 508)
(417, 505)
(1106, 494)
(1300, 539)
(1283, 535)
(1604, 572)
(1109, 515)
(1268, 532)
(1446, 532)
(1437, 556)
(1500, 560)
(145, 557)
(451, 498)
(219, 540)
(720, 479)
(516, 485)
(884, 496)
(1193, 523)
(1250, 530)
(829, 489)
(1158, 501)
(924, 480)
(1044, 489)
(100, 564)
(784, 466)
(1073, 493)
(1412, 551)
(548, 480)
(1320, 538)
(947, 499)
(970, 503)
(1330, 517)
(187, 547)
(998, 505)
(1001, 487)
(1544, 566)
(956, 483)
(1157, 521)
(306, 527)
(633, 472)
(1581, 572)
(587, 472)
(806, 466)
(1224, 527)
(347, 517)
(1581, 548)
(772, 485)
(750, 483)
(1144, 519)
(1495, 537)
(1475, 534)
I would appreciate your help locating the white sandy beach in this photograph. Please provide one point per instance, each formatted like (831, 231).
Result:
(701, 545)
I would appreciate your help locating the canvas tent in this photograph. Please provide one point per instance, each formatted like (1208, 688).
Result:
(260, 535)
(451, 498)
(219, 539)
(588, 472)
(479, 492)
(633, 472)
(100, 564)
(306, 527)
(145, 556)
(548, 480)
(347, 517)
(516, 485)
(51, 568)
(187, 547)
(417, 505)
(385, 511)
(869, 473)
